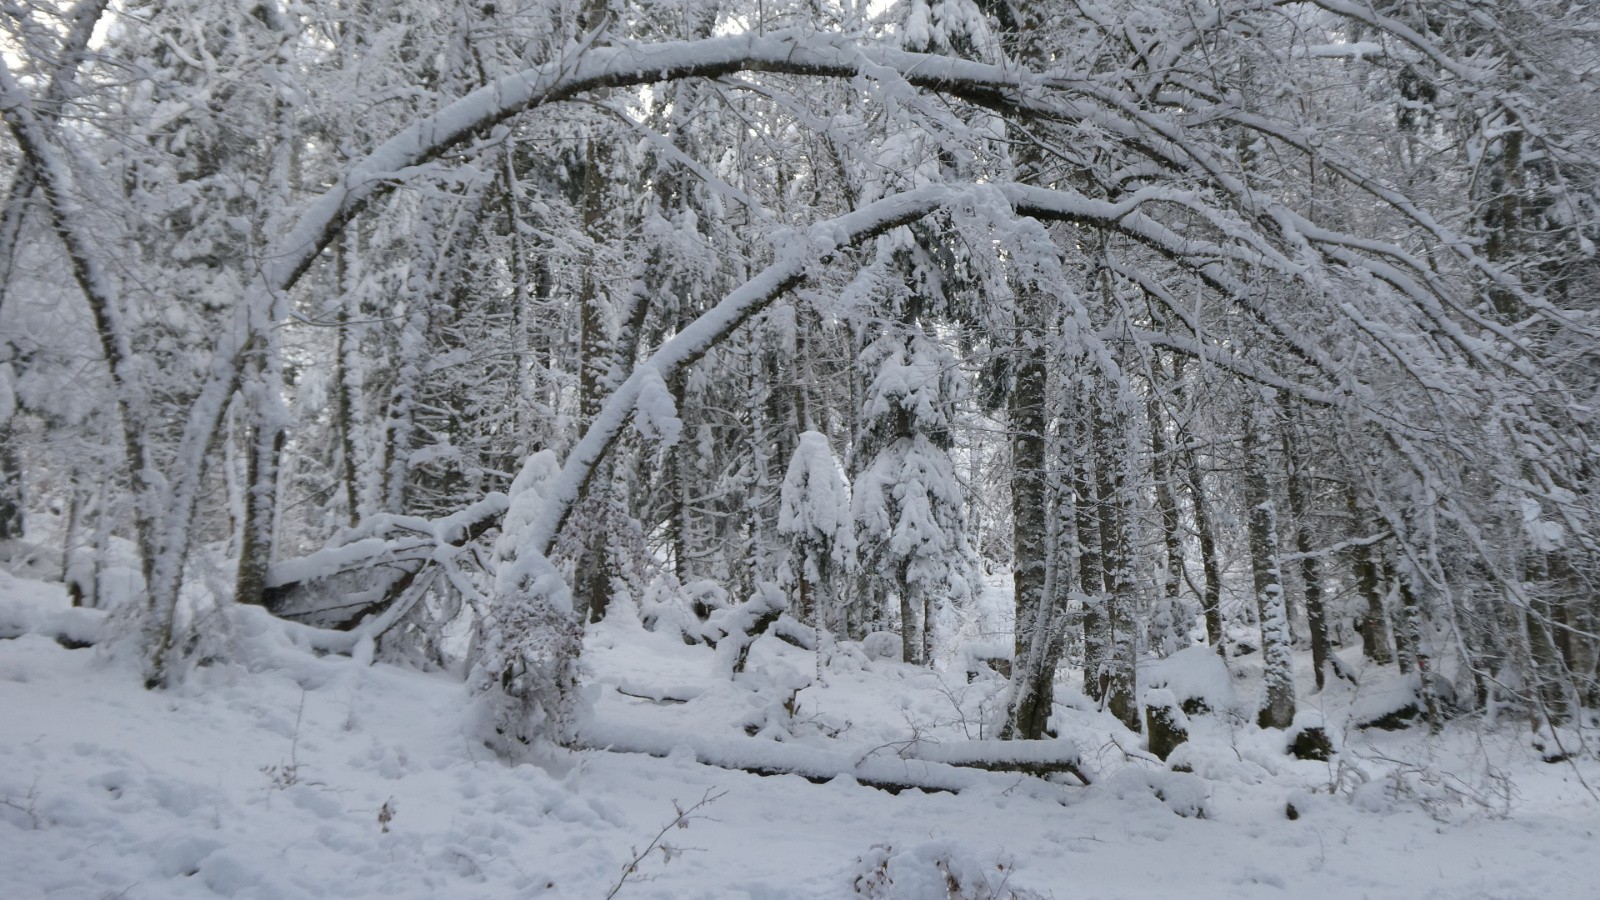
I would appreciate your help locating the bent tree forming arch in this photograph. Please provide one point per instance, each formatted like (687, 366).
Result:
(1189, 206)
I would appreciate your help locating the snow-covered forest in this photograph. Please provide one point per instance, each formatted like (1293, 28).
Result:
(930, 394)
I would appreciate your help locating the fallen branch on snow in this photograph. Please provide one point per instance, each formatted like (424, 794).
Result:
(918, 765)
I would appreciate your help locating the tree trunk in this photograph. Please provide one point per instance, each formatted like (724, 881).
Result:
(1310, 574)
(592, 579)
(1210, 564)
(1062, 585)
(1032, 686)
(347, 375)
(12, 499)
(1171, 530)
(83, 18)
(1405, 653)
(1547, 674)
(1277, 652)
(71, 538)
(264, 437)
(1117, 543)
(1418, 645)
(1363, 558)
(265, 442)
(1091, 566)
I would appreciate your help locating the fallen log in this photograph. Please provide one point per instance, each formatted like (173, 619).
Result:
(72, 627)
(1037, 758)
(338, 587)
(892, 768)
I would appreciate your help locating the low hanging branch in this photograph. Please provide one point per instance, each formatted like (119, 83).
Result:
(818, 246)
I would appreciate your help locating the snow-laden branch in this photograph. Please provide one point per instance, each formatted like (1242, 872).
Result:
(1367, 14)
(794, 52)
(391, 537)
(818, 243)
(799, 52)
(56, 181)
(1220, 358)
(1393, 197)
(1054, 96)
(796, 258)
(84, 18)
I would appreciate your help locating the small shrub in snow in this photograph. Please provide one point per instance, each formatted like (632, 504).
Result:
(287, 774)
(775, 699)
(936, 869)
(1308, 738)
(23, 812)
(669, 608)
(386, 815)
(1303, 803)
(630, 869)
(1185, 795)
(794, 632)
(844, 656)
(1556, 745)
(1218, 763)
(72, 627)
(741, 625)
(987, 660)
(1443, 788)
(1430, 791)
(881, 645)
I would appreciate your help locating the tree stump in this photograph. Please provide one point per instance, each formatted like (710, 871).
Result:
(1165, 724)
(1309, 738)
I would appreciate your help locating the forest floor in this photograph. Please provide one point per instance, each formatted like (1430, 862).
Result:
(284, 775)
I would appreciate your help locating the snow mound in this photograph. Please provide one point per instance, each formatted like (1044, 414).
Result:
(1181, 792)
(282, 771)
(1389, 704)
(934, 869)
(1218, 763)
(36, 607)
(1198, 679)
(884, 645)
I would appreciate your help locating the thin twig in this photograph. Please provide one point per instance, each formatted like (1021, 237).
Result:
(681, 820)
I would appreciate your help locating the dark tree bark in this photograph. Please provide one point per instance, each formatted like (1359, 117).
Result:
(12, 499)
(1030, 520)
(1117, 543)
(1375, 641)
(1277, 652)
(1310, 573)
(1091, 566)
(1161, 469)
(592, 579)
(260, 512)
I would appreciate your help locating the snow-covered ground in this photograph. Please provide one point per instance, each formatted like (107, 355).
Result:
(289, 776)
